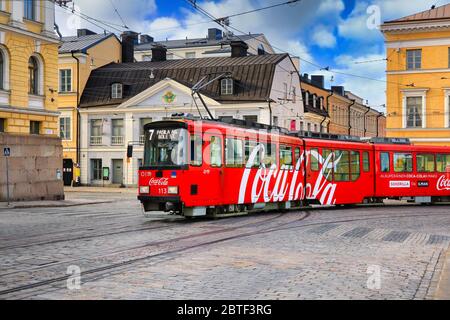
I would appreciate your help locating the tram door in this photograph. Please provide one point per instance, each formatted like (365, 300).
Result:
(212, 173)
(67, 171)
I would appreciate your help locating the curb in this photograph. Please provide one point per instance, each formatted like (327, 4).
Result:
(24, 206)
(443, 288)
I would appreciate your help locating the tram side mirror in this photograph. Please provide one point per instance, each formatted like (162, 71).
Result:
(130, 151)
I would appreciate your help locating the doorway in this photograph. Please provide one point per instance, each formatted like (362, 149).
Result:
(117, 171)
(67, 172)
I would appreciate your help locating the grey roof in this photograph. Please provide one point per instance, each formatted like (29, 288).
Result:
(252, 75)
(192, 43)
(83, 43)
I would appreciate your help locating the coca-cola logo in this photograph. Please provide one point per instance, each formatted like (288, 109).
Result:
(158, 182)
(443, 184)
(286, 183)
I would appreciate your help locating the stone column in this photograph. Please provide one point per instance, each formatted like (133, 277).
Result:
(17, 14)
(49, 18)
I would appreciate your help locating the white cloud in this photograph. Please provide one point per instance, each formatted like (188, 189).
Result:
(133, 14)
(323, 37)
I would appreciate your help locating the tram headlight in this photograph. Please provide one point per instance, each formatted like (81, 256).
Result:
(144, 189)
(172, 190)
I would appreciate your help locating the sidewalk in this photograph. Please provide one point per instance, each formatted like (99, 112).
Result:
(100, 190)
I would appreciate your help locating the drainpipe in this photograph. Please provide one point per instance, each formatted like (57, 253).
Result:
(365, 125)
(350, 117)
(378, 117)
(78, 106)
(270, 112)
(328, 111)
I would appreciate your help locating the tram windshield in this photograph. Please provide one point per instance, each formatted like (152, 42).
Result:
(165, 147)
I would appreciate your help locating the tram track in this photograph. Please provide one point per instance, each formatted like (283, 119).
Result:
(172, 246)
(176, 248)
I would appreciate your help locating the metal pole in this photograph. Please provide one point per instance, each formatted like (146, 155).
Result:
(7, 181)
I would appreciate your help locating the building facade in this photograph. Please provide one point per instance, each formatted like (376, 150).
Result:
(314, 95)
(418, 76)
(130, 95)
(215, 44)
(29, 101)
(28, 67)
(78, 56)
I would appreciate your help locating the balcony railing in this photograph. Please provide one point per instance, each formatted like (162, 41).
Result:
(117, 140)
(142, 139)
(96, 140)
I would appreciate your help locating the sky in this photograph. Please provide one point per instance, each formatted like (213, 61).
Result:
(341, 35)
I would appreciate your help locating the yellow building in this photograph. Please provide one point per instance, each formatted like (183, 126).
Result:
(78, 56)
(28, 67)
(418, 76)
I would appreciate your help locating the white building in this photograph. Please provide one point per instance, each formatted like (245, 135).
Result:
(216, 44)
(120, 98)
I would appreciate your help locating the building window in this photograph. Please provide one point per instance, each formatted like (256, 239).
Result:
(142, 123)
(309, 127)
(251, 118)
(275, 121)
(96, 169)
(35, 127)
(65, 80)
(2, 125)
(414, 59)
(226, 86)
(64, 128)
(190, 55)
(294, 95)
(116, 91)
(146, 57)
(413, 112)
(285, 91)
(33, 76)
(96, 131)
(117, 132)
(29, 10)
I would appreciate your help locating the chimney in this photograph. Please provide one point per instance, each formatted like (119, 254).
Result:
(305, 77)
(238, 49)
(84, 32)
(214, 34)
(318, 81)
(339, 90)
(145, 38)
(129, 40)
(159, 53)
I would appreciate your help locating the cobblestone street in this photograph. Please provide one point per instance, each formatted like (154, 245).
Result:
(321, 253)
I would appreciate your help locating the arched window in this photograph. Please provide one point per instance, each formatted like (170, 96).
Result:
(2, 68)
(33, 76)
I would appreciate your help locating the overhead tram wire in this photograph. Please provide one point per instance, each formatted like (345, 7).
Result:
(118, 14)
(328, 69)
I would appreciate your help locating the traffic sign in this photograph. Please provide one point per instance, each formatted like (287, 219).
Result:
(6, 151)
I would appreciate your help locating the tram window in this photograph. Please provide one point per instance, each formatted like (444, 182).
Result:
(216, 151)
(443, 162)
(196, 150)
(314, 159)
(366, 162)
(341, 166)
(384, 160)
(248, 148)
(285, 156)
(233, 152)
(403, 162)
(355, 165)
(327, 156)
(425, 163)
(270, 154)
(296, 154)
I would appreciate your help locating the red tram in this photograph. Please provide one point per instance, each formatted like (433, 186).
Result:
(201, 167)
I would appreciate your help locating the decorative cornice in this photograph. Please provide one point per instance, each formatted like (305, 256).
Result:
(408, 26)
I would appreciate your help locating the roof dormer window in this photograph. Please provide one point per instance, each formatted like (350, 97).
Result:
(116, 91)
(226, 86)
